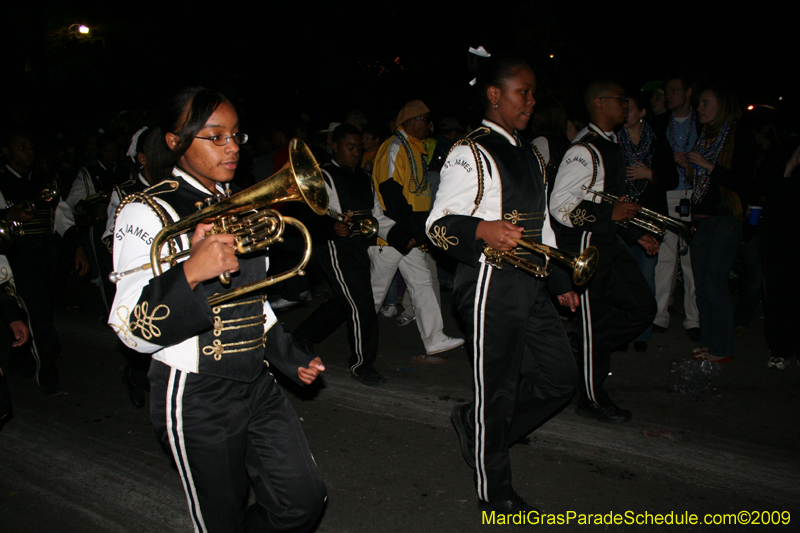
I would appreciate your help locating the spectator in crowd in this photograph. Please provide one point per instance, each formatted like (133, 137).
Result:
(720, 165)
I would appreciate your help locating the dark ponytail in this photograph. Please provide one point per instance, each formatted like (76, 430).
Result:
(184, 114)
(493, 71)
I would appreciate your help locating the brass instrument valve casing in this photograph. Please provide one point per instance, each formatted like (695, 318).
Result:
(493, 257)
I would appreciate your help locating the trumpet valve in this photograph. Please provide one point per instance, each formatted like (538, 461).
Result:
(493, 257)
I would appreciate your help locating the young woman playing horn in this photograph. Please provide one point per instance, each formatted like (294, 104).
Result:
(214, 402)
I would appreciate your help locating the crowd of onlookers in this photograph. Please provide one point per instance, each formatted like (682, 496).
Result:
(679, 138)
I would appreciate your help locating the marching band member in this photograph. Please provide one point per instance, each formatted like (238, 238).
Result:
(345, 260)
(493, 191)
(38, 212)
(617, 304)
(214, 402)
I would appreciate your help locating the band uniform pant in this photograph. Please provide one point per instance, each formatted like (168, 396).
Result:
(347, 267)
(616, 305)
(524, 370)
(222, 432)
(34, 266)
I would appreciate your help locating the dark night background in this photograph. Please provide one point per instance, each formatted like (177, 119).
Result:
(276, 60)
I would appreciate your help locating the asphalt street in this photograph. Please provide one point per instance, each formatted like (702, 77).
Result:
(88, 461)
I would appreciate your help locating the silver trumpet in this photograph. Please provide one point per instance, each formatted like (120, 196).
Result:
(657, 222)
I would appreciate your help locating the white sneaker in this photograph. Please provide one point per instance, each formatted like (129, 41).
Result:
(778, 362)
(404, 320)
(389, 310)
(447, 344)
(281, 304)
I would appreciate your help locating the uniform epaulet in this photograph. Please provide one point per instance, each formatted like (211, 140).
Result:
(469, 141)
(147, 197)
(162, 187)
(479, 132)
(127, 183)
(584, 141)
(542, 164)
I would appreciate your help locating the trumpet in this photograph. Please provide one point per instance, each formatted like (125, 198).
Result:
(366, 227)
(10, 228)
(582, 266)
(254, 226)
(657, 224)
(50, 191)
(7, 231)
(92, 209)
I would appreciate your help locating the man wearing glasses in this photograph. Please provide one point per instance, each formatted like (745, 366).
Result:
(400, 173)
(617, 304)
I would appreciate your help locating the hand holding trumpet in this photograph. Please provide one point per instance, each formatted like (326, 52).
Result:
(23, 212)
(499, 234)
(211, 255)
(624, 210)
(341, 228)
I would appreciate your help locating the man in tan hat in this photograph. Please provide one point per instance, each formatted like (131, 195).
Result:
(400, 173)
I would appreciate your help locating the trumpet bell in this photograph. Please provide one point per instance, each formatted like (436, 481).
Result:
(6, 235)
(584, 265)
(367, 227)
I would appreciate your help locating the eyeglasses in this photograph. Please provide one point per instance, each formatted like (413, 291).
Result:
(622, 99)
(222, 140)
(426, 118)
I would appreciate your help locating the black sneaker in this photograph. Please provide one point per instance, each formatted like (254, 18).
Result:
(609, 413)
(515, 505)
(368, 376)
(466, 435)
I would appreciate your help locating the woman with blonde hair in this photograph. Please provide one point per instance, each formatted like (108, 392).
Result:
(721, 163)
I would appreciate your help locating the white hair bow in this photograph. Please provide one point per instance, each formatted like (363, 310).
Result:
(134, 141)
(480, 51)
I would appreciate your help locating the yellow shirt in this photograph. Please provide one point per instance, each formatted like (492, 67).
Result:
(392, 162)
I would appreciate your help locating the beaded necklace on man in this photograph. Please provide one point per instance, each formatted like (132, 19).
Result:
(672, 133)
(416, 186)
(634, 154)
(702, 179)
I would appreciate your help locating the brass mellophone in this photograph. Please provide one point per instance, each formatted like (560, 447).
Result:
(366, 227)
(244, 215)
(583, 265)
(657, 224)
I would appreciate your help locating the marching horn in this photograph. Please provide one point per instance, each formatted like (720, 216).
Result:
(254, 226)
